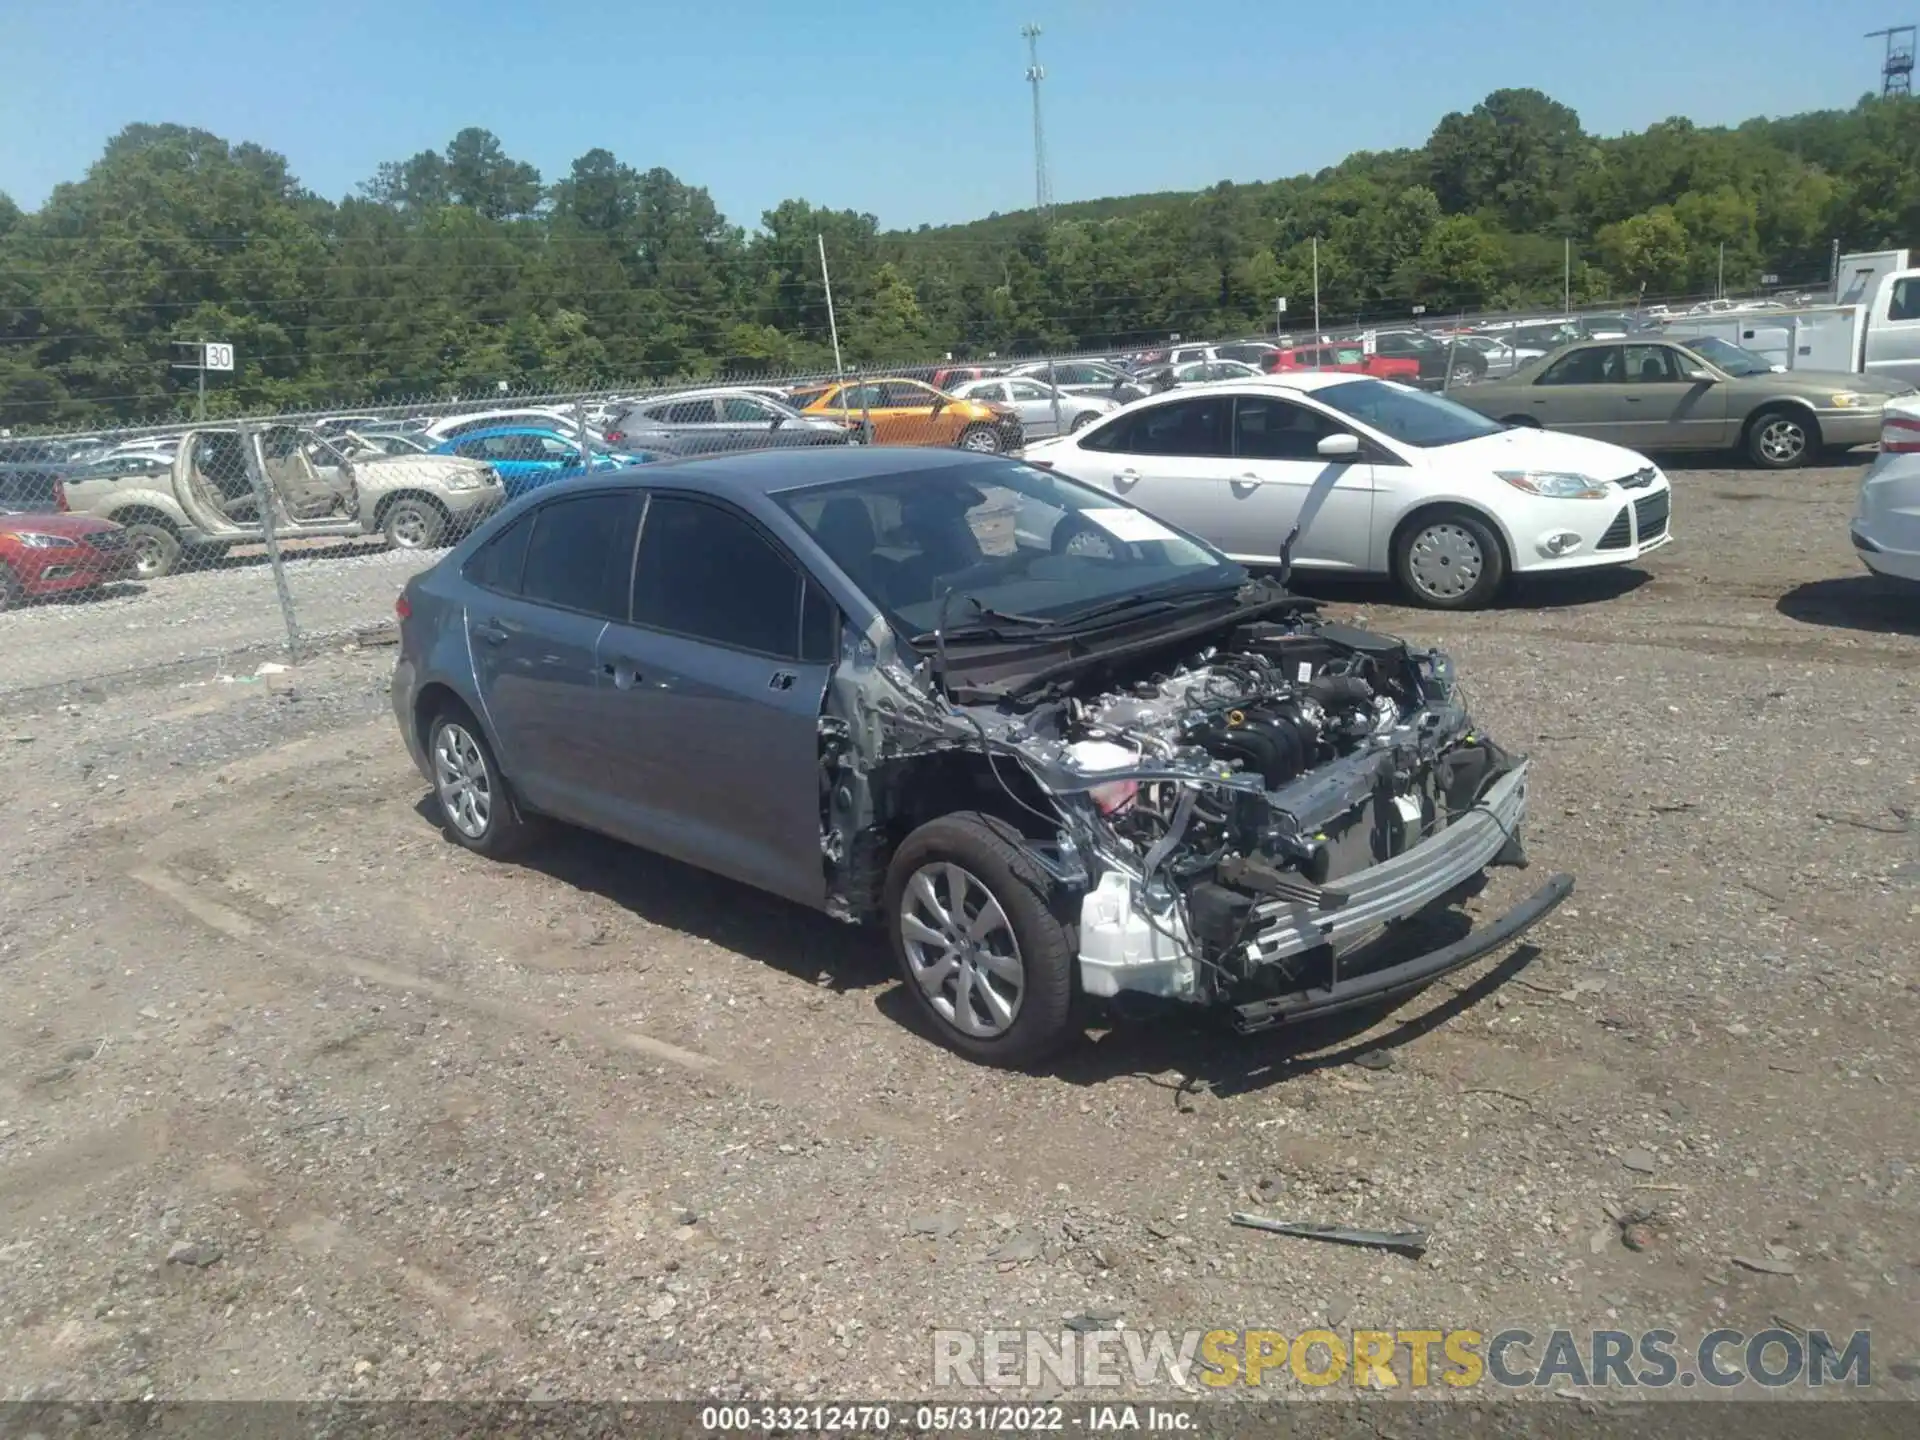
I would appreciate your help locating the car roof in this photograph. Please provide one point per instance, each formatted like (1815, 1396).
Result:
(710, 392)
(494, 430)
(749, 474)
(1304, 380)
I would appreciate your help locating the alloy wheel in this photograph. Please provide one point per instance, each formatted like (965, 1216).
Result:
(1445, 560)
(409, 526)
(149, 556)
(461, 778)
(983, 441)
(1782, 441)
(961, 949)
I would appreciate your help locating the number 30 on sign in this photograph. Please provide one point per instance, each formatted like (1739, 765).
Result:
(218, 357)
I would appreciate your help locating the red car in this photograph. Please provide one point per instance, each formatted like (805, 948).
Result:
(1349, 356)
(44, 553)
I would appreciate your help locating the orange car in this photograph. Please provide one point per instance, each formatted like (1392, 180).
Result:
(906, 412)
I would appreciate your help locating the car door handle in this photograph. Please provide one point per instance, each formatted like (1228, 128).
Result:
(1245, 484)
(1631, 399)
(491, 632)
(1127, 477)
(624, 673)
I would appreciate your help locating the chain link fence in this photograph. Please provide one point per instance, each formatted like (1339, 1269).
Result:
(209, 546)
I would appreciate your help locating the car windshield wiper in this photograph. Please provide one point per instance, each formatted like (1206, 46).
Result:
(988, 625)
(1151, 603)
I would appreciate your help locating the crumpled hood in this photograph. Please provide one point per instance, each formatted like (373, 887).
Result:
(1525, 448)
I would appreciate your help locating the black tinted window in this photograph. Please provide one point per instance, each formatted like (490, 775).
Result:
(1180, 427)
(705, 572)
(497, 564)
(819, 625)
(1904, 303)
(581, 553)
(1265, 429)
(1583, 367)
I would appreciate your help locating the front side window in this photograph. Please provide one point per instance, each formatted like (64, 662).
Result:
(704, 572)
(738, 410)
(1652, 365)
(990, 534)
(580, 553)
(1270, 429)
(905, 395)
(1904, 302)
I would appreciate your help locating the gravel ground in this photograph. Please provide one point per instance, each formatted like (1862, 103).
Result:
(302, 1100)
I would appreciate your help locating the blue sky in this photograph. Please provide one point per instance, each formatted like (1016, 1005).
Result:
(917, 113)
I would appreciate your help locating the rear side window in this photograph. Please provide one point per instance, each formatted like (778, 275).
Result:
(704, 572)
(496, 565)
(581, 553)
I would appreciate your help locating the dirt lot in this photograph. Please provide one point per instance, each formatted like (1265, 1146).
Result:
(415, 1124)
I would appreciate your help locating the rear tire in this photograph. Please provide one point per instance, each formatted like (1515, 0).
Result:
(156, 550)
(981, 949)
(1781, 439)
(475, 804)
(1082, 420)
(1449, 559)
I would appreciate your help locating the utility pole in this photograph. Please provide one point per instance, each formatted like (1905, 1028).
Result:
(833, 325)
(1720, 285)
(1896, 71)
(1566, 274)
(1316, 290)
(1036, 72)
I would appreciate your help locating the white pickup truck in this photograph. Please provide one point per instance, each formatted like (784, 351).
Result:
(206, 501)
(1871, 327)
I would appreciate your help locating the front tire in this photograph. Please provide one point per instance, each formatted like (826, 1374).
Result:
(1781, 439)
(9, 588)
(476, 808)
(981, 439)
(412, 523)
(1082, 420)
(980, 948)
(1449, 559)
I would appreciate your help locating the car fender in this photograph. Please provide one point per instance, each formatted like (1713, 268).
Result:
(1400, 503)
(111, 506)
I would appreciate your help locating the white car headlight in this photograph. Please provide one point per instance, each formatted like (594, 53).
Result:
(35, 540)
(1556, 484)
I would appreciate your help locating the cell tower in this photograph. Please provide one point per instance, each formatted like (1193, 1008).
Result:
(1896, 71)
(1036, 72)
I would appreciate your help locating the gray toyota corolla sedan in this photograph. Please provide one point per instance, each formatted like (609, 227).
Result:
(899, 687)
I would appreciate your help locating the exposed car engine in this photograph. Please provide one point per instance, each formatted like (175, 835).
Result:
(1257, 776)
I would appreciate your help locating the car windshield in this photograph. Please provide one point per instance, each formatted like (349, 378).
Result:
(1734, 359)
(1008, 539)
(1413, 417)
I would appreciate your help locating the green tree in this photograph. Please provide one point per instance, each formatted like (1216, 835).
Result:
(1652, 251)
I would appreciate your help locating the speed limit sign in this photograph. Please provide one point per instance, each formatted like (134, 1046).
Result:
(218, 357)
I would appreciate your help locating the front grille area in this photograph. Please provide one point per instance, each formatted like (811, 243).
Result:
(1638, 480)
(1650, 514)
(1619, 534)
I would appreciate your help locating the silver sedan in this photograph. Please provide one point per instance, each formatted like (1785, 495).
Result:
(1045, 410)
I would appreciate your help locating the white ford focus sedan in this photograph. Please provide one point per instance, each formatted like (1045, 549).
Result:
(1886, 519)
(1343, 472)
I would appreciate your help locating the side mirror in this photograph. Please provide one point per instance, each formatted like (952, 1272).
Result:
(1338, 447)
(1700, 377)
(939, 403)
(778, 421)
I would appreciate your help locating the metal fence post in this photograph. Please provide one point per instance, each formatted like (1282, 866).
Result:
(1453, 349)
(1054, 389)
(257, 475)
(580, 425)
(866, 406)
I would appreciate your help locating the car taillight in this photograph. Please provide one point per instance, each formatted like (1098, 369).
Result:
(403, 607)
(614, 437)
(60, 497)
(1899, 435)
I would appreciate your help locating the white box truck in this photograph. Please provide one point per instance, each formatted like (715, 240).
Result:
(1872, 325)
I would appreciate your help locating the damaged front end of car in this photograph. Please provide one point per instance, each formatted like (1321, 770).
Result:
(1232, 808)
